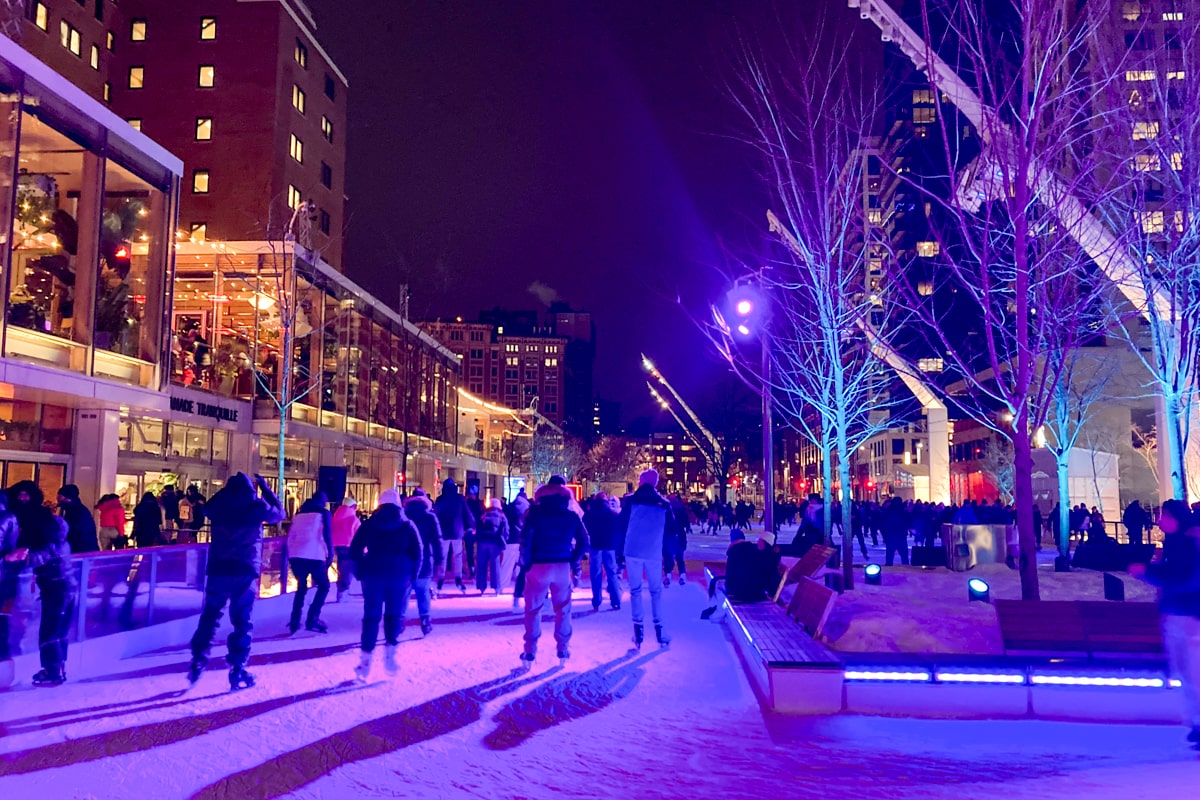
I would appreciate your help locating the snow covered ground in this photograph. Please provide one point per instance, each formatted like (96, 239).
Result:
(456, 722)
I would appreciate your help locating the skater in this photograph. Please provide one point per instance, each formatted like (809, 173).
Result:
(345, 525)
(387, 551)
(12, 562)
(601, 522)
(490, 537)
(147, 521)
(514, 513)
(310, 552)
(170, 505)
(475, 506)
(420, 510)
(552, 546)
(648, 526)
(81, 526)
(1178, 575)
(455, 519)
(677, 547)
(43, 542)
(237, 513)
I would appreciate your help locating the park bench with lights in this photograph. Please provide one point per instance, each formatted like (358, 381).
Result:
(1091, 629)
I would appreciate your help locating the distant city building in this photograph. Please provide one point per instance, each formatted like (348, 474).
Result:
(606, 418)
(680, 464)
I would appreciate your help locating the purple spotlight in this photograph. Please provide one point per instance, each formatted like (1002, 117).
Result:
(744, 307)
(743, 330)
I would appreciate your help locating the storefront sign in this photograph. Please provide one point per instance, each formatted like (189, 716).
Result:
(202, 409)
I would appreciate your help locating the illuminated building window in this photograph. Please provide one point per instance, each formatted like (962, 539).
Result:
(94, 58)
(930, 364)
(199, 231)
(40, 15)
(69, 37)
(1179, 222)
(137, 77)
(1140, 75)
(208, 28)
(1131, 10)
(924, 115)
(925, 288)
(294, 198)
(327, 129)
(200, 181)
(110, 41)
(296, 149)
(922, 97)
(1176, 161)
(928, 249)
(300, 54)
(874, 216)
(208, 76)
(135, 123)
(1145, 130)
(1151, 221)
(1176, 75)
(299, 99)
(137, 30)
(1147, 162)
(203, 129)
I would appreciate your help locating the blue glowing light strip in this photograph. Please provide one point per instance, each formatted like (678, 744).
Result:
(871, 675)
(979, 677)
(1096, 680)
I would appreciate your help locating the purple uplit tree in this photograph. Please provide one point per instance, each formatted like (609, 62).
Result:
(1008, 245)
(809, 116)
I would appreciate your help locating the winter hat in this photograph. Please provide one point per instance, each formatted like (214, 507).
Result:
(389, 497)
(449, 486)
(349, 501)
(557, 480)
(70, 491)
(737, 535)
(419, 493)
(494, 503)
(648, 478)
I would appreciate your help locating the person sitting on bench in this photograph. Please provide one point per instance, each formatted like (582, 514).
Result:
(751, 574)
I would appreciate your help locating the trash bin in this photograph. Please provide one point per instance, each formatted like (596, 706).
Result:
(974, 544)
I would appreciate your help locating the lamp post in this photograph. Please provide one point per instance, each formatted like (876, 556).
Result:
(750, 317)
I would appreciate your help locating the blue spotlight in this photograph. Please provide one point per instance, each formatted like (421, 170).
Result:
(977, 589)
(873, 574)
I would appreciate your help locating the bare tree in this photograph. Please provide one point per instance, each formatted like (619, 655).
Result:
(611, 459)
(997, 464)
(1145, 444)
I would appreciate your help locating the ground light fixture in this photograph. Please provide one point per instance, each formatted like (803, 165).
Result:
(873, 574)
(978, 589)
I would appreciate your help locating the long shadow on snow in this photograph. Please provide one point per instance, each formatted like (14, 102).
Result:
(74, 715)
(218, 662)
(289, 772)
(144, 737)
(568, 697)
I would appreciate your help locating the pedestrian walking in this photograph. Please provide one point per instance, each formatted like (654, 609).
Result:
(310, 552)
(454, 517)
(552, 545)
(147, 521)
(491, 537)
(647, 524)
(81, 526)
(237, 513)
(345, 525)
(601, 520)
(419, 509)
(43, 541)
(170, 506)
(111, 534)
(1177, 574)
(387, 552)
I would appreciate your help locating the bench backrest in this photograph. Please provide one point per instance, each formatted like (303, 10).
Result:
(807, 566)
(810, 606)
(1112, 627)
(1089, 627)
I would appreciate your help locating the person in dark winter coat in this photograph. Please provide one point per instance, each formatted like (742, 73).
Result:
(170, 506)
(237, 513)
(147, 521)
(894, 522)
(419, 509)
(475, 506)
(12, 561)
(310, 552)
(601, 520)
(553, 542)
(648, 527)
(456, 521)
(387, 552)
(1136, 520)
(81, 525)
(491, 536)
(1177, 574)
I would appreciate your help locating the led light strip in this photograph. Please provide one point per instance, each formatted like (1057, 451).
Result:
(857, 675)
(1083, 680)
(978, 677)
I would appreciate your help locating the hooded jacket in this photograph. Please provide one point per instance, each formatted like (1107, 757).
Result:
(81, 526)
(147, 522)
(493, 528)
(237, 515)
(452, 512)
(310, 534)
(647, 524)
(345, 523)
(52, 560)
(553, 533)
(387, 546)
(112, 514)
(419, 509)
(1178, 574)
(601, 521)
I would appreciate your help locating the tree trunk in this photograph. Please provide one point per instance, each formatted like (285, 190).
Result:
(1173, 425)
(1023, 489)
(1064, 504)
(847, 539)
(827, 490)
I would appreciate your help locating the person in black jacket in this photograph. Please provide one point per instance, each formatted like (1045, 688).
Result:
(552, 545)
(387, 553)
(81, 525)
(490, 537)
(237, 513)
(456, 521)
(147, 521)
(12, 561)
(600, 520)
(419, 509)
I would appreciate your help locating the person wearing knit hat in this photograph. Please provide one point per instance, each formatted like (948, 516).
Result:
(456, 521)
(491, 537)
(345, 525)
(648, 528)
(387, 552)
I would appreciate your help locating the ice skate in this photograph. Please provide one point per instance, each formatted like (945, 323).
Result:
(664, 640)
(195, 670)
(666, 581)
(240, 679)
(46, 677)
(516, 601)
(293, 628)
(563, 655)
(682, 579)
(639, 635)
(426, 626)
(364, 666)
(317, 626)
(389, 659)
(526, 662)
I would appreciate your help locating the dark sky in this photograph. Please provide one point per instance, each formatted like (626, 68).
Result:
(583, 146)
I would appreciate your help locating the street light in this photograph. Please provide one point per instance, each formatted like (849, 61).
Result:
(749, 319)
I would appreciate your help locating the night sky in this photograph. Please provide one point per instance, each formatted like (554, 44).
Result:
(580, 149)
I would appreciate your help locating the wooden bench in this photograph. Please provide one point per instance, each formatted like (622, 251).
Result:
(807, 566)
(1089, 628)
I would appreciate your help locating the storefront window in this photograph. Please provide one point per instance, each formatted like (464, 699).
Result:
(132, 265)
(220, 445)
(33, 426)
(55, 201)
(142, 435)
(213, 316)
(190, 441)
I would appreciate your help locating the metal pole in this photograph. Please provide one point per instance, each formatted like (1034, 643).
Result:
(768, 441)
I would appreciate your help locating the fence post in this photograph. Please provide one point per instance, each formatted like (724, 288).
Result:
(150, 594)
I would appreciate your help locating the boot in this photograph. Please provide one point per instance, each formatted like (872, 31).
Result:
(389, 659)
(663, 639)
(426, 625)
(364, 666)
(46, 677)
(639, 635)
(240, 679)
